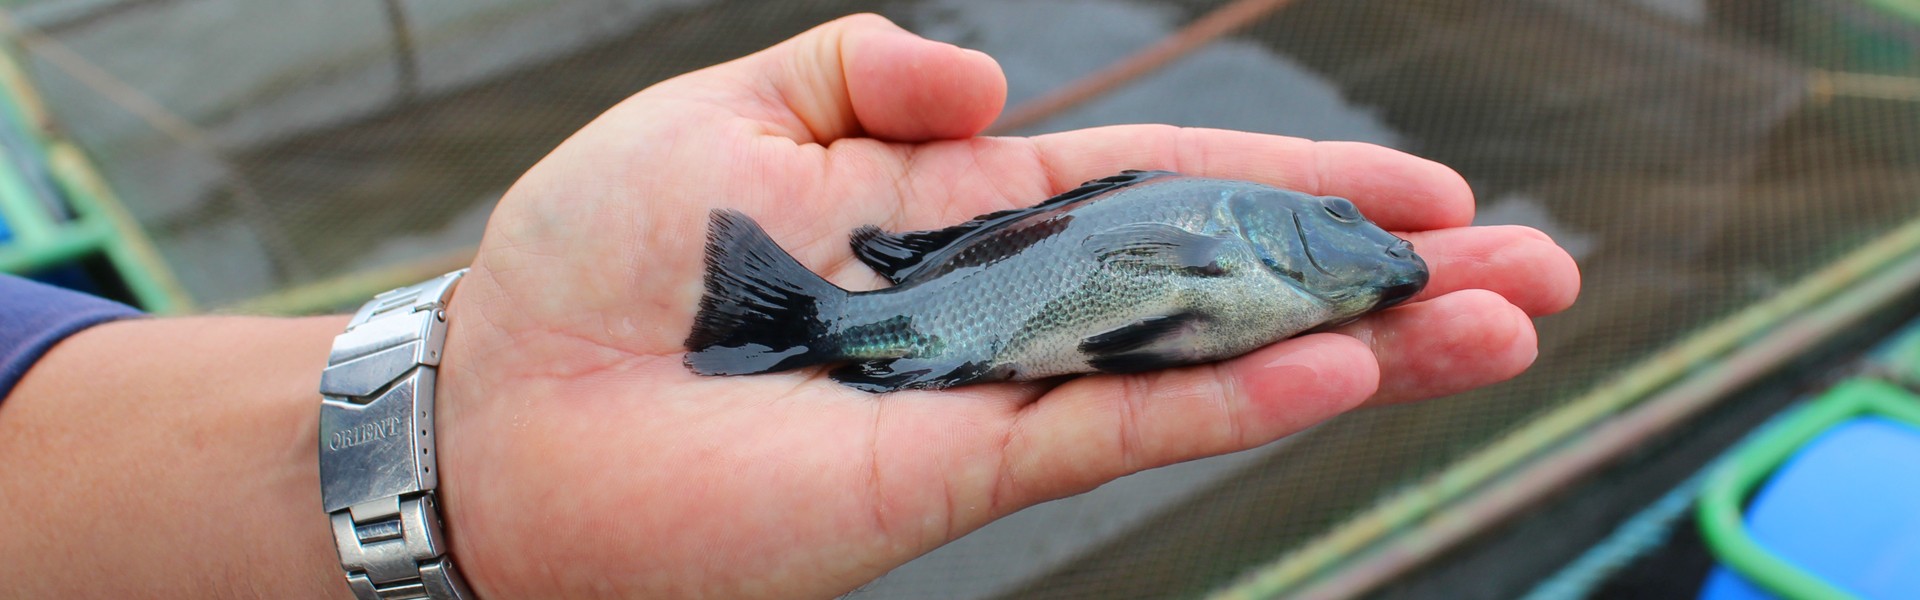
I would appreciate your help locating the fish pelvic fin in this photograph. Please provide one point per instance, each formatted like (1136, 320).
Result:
(1149, 344)
(762, 310)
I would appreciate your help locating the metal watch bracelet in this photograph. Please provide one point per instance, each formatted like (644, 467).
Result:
(377, 456)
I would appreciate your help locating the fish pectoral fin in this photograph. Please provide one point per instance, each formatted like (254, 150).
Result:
(881, 376)
(897, 256)
(1142, 335)
(1160, 246)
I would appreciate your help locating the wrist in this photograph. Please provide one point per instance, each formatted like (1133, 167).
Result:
(181, 451)
(378, 478)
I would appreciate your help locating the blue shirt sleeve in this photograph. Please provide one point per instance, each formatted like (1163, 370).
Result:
(34, 316)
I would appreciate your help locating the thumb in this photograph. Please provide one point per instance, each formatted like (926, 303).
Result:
(862, 76)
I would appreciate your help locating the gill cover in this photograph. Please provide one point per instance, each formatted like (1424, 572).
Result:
(1328, 248)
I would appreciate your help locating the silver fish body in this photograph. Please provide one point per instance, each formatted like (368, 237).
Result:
(1140, 271)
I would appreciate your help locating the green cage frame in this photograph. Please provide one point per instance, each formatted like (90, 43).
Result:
(1721, 511)
(100, 224)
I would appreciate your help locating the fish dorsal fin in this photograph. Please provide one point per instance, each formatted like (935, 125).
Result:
(898, 256)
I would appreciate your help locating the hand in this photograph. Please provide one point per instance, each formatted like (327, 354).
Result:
(582, 459)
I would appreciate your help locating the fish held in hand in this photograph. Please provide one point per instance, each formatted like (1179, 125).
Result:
(1140, 271)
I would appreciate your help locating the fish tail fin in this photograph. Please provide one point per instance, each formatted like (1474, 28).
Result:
(762, 310)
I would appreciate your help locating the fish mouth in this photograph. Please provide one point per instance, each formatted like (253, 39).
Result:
(1400, 293)
(1405, 290)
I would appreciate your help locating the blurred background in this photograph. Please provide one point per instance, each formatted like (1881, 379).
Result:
(1728, 173)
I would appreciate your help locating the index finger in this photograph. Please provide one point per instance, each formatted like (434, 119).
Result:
(1398, 191)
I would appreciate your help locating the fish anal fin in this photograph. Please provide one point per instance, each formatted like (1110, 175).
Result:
(897, 256)
(881, 376)
(1159, 245)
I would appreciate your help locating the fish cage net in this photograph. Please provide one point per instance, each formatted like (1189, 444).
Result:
(1696, 156)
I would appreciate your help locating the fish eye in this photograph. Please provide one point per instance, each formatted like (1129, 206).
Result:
(1343, 210)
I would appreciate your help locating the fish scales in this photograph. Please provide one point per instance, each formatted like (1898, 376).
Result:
(1140, 271)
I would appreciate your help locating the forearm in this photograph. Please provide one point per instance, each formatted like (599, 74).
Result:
(169, 458)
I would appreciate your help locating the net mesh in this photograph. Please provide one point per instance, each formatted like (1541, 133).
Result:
(1695, 155)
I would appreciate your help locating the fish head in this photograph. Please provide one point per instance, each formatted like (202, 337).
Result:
(1329, 250)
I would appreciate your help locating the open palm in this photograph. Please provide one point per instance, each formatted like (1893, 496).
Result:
(583, 459)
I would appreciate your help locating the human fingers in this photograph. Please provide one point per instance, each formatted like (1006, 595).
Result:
(1094, 429)
(1398, 191)
(1519, 263)
(1450, 344)
(856, 76)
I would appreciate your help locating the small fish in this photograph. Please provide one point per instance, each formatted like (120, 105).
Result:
(1140, 271)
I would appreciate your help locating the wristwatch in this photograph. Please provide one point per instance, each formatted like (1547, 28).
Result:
(377, 456)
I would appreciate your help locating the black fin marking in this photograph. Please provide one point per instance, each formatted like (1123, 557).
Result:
(1137, 362)
(890, 254)
(897, 256)
(1159, 245)
(1139, 334)
(881, 376)
(762, 310)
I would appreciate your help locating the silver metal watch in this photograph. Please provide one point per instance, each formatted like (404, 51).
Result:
(377, 456)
